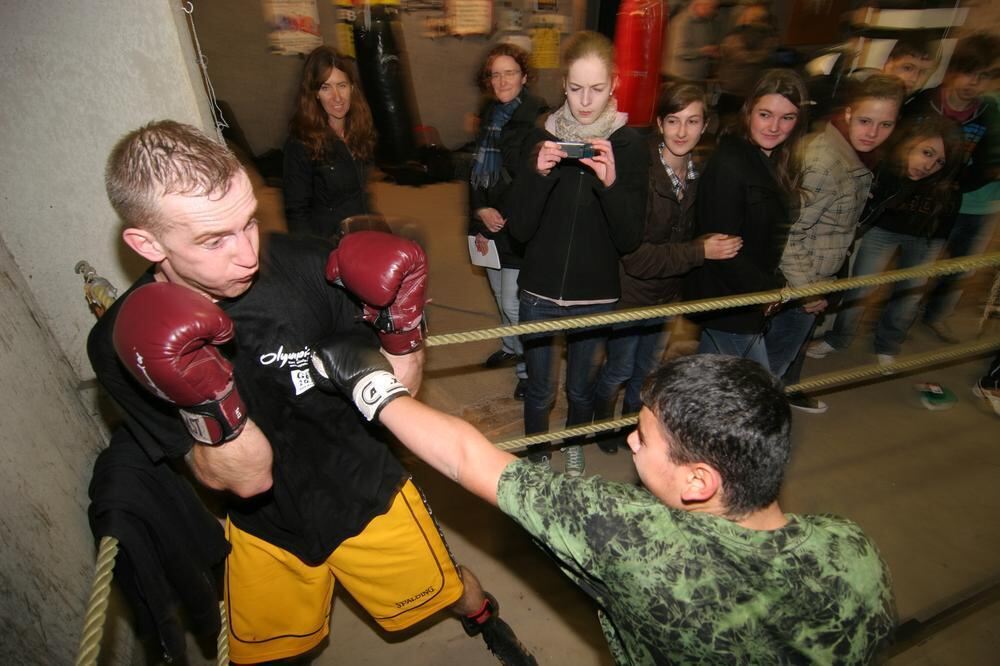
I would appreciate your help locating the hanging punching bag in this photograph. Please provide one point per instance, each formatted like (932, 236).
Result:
(381, 58)
(638, 42)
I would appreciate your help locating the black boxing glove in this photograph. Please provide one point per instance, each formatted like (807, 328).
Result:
(357, 369)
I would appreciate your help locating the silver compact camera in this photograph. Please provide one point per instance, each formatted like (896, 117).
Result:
(575, 150)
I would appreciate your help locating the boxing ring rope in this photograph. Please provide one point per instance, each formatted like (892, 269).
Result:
(946, 267)
(825, 381)
(97, 607)
(100, 295)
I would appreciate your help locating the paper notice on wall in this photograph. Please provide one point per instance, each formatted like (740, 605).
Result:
(544, 48)
(345, 27)
(292, 25)
(470, 17)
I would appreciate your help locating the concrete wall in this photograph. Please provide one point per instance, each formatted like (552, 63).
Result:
(75, 77)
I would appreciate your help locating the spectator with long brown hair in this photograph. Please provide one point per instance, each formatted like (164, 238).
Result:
(748, 189)
(331, 143)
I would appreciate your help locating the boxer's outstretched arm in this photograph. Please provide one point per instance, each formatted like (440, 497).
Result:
(241, 466)
(448, 444)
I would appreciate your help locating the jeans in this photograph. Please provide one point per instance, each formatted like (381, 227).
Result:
(877, 249)
(970, 236)
(786, 335)
(503, 283)
(741, 345)
(634, 349)
(582, 349)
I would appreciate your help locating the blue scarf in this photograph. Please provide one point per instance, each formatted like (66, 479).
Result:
(488, 162)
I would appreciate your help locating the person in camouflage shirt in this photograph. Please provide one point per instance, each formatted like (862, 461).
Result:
(700, 564)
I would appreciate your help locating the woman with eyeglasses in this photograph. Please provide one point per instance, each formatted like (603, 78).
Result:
(578, 205)
(506, 119)
(329, 153)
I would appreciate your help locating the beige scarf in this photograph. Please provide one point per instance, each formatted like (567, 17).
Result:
(565, 127)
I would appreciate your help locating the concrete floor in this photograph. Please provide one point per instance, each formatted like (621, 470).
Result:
(923, 484)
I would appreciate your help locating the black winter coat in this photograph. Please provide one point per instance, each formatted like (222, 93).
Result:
(320, 193)
(739, 195)
(652, 273)
(575, 229)
(512, 148)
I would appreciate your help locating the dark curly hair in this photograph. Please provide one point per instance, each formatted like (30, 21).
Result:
(514, 51)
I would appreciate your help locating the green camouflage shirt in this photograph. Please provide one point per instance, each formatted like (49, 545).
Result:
(677, 587)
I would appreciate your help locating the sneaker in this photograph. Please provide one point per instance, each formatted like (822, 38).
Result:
(807, 404)
(991, 396)
(538, 454)
(820, 349)
(942, 331)
(499, 637)
(885, 360)
(607, 443)
(521, 389)
(575, 463)
(500, 359)
(935, 397)
(610, 441)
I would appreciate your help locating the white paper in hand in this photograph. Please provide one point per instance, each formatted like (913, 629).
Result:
(489, 260)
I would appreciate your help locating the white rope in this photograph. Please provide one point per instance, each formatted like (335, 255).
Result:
(220, 121)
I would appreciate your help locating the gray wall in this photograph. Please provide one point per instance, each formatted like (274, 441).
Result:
(75, 77)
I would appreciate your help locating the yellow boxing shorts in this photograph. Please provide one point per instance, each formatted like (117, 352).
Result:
(399, 569)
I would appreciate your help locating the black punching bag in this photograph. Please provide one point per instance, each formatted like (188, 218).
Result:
(381, 55)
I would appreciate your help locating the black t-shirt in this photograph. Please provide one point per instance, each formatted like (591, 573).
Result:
(331, 473)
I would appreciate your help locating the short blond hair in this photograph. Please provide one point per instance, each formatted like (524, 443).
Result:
(165, 157)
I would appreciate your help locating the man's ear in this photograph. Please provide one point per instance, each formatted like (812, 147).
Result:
(702, 483)
(144, 243)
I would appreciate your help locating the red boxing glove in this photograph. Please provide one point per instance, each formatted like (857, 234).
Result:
(389, 275)
(165, 335)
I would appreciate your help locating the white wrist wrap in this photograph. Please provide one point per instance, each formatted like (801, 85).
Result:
(373, 391)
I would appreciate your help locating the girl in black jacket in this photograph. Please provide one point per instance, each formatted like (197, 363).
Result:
(504, 123)
(576, 216)
(328, 154)
(747, 189)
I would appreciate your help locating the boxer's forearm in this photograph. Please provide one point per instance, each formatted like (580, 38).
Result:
(241, 466)
(448, 444)
(408, 368)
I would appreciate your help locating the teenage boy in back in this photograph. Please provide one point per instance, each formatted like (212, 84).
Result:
(961, 98)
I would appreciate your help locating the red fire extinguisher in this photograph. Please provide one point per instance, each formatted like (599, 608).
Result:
(638, 45)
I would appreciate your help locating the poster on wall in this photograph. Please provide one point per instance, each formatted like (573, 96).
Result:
(292, 25)
(345, 27)
(544, 48)
(470, 17)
